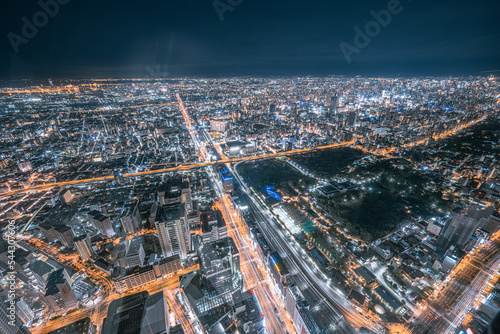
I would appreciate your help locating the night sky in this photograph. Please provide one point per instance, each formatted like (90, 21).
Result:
(169, 38)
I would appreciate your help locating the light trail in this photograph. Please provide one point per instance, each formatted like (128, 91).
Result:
(178, 168)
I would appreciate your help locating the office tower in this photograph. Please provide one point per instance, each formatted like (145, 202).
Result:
(24, 166)
(351, 98)
(53, 232)
(227, 180)
(219, 277)
(351, 119)
(295, 110)
(139, 313)
(9, 321)
(333, 104)
(131, 253)
(83, 326)
(24, 311)
(220, 266)
(173, 230)
(65, 235)
(131, 219)
(175, 191)
(461, 226)
(83, 247)
(213, 226)
(279, 271)
(58, 292)
(41, 272)
(101, 223)
(214, 293)
(218, 126)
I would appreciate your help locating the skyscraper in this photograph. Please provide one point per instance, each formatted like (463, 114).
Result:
(83, 247)
(9, 321)
(58, 292)
(333, 104)
(139, 313)
(173, 230)
(83, 326)
(131, 219)
(215, 292)
(101, 222)
(351, 119)
(461, 226)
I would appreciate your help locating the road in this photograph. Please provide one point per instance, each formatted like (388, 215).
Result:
(98, 312)
(453, 301)
(177, 168)
(254, 275)
(335, 311)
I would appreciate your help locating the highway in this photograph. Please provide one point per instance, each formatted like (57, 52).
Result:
(328, 301)
(454, 301)
(255, 277)
(177, 168)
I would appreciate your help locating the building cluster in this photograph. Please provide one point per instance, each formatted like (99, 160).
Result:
(105, 225)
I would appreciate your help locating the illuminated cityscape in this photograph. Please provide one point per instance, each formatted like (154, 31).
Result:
(235, 167)
(316, 205)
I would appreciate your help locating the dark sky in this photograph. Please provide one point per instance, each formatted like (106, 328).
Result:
(98, 38)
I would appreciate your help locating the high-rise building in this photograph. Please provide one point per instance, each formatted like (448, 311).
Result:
(213, 226)
(227, 180)
(9, 321)
(214, 293)
(333, 104)
(272, 108)
(351, 119)
(461, 226)
(83, 247)
(61, 232)
(173, 230)
(83, 326)
(351, 98)
(58, 292)
(24, 166)
(175, 191)
(220, 263)
(101, 223)
(218, 126)
(131, 253)
(139, 313)
(24, 311)
(131, 219)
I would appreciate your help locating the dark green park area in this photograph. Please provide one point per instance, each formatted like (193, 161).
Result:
(328, 163)
(389, 193)
(276, 173)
